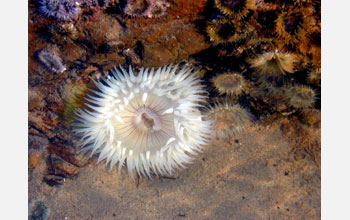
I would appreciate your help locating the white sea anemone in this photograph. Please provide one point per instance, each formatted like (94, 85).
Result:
(150, 120)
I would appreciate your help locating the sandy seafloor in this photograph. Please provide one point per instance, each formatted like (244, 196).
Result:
(258, 174)
(252, 177)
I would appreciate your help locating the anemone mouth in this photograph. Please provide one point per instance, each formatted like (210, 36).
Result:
(232, 83)
(146, 124)
(274, 63)
(229, 83)
(223, 31)
(292, 23)
(293, 26)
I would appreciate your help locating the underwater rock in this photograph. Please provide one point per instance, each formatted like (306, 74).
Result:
(53, 180)
(49, 58)
(33, 160)
(61, 167)
(38, 211)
